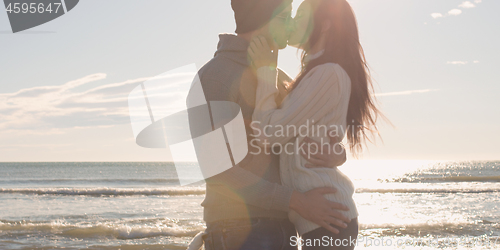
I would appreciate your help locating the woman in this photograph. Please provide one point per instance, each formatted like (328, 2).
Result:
(332, 92)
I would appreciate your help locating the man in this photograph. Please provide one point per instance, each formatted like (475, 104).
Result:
(246, 207)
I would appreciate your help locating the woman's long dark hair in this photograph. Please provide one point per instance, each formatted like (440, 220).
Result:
(343, 47)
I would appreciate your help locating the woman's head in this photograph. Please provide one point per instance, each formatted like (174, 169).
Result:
(330, 20)
(302, 25)
(331, 25)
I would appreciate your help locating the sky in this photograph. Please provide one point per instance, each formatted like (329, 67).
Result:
(64, 84)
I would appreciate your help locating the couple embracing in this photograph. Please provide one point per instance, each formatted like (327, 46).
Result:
(282, 199)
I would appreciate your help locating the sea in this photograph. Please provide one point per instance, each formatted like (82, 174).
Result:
(141, 205)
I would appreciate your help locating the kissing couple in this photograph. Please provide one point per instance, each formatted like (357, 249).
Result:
(283, 199)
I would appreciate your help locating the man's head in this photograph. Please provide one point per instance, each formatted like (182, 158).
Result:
(269, 18)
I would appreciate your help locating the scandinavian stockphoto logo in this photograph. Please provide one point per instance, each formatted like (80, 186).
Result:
(170, 110)
(26, 14)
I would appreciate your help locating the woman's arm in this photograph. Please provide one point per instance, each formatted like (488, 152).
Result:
(317, 95)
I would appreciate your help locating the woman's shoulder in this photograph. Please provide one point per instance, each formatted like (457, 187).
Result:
(331, 72)
(330, 67)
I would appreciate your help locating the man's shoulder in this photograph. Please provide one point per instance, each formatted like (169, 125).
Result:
(219, 69)
(223, 71)
(218, 78)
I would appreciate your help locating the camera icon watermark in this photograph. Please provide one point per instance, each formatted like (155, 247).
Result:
(170, 110)
(26, 14)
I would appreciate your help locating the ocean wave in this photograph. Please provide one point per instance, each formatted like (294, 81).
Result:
(106, 229)
(92, 180)
(461, 228)
(98, 192)
(172, 246)
(427, 190)
(104, 191)
(417, 179)
(124, 230)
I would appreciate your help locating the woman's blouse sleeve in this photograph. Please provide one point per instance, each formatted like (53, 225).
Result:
(318, 94)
